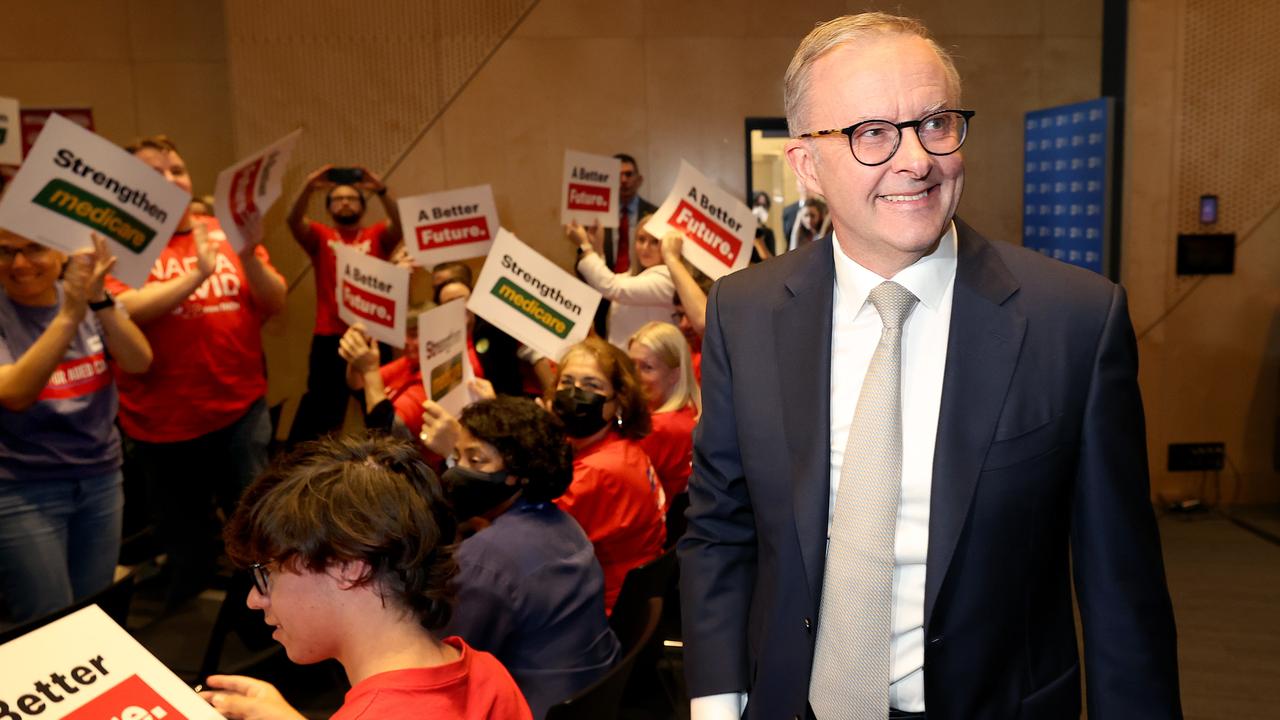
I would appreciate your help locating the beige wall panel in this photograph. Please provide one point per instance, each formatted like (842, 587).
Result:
(189, 102)
(106, 86)
(983, 18)
(1070, 68)
(1071, 19)
(585, 18)
(177, 30)
(707, 18)
(65, 30)
(769, 18)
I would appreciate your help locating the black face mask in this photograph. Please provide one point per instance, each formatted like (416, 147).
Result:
(473, 493)
(581, 411)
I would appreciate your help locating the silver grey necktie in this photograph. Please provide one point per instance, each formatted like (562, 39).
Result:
(850, 678)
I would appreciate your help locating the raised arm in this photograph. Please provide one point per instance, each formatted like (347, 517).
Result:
(268, 287)
(374, 184)
(299, 224)
(361, 354)
(22, 381)
(124, 340)
(155, 299)
(649, 288)
(691, 296)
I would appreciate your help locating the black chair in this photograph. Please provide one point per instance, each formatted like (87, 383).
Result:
(641, 583)
(676, 522)
(114, 601)
(602, 699)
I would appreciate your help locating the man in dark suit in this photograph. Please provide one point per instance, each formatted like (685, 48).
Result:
(912, 437)
(619, 244)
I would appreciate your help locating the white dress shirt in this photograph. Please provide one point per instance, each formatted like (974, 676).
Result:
(855, 333)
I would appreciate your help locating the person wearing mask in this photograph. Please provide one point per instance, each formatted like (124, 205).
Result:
(811, 224)
(765, 245)
(324, 403)
(640, 295)
(665, 369)
(530, 589)
(197, 419)
(350, 543)
(61, 498)
(615, 494)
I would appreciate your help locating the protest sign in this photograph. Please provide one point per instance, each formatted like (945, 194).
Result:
(531, 299)
(719, 229)
(74, 182)
(442, 351)
(86, 667)
(10, 132)
(373, 292)
(589, 192)
(451, 225)
(250, 187)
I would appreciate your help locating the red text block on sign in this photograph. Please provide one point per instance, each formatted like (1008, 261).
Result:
(132, 699)
(365, 304)
(457, 232)
(588, 197)
(706, 233)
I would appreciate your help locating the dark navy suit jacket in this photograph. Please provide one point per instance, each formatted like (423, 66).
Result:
(1039, 470)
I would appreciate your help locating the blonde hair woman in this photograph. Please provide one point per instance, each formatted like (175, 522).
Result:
(663, 363)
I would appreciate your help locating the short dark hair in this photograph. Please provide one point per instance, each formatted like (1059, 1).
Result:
(627, 159)
(354, 498)
(530, 440)
(617, 366)
(459, 271)
(163, 143)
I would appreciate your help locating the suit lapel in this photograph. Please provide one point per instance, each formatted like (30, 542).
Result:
(982, 351)
(802, 328)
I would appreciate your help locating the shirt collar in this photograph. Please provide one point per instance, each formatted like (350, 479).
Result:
(632, 206)
(926, 278)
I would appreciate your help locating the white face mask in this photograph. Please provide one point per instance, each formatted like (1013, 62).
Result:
(761, 213)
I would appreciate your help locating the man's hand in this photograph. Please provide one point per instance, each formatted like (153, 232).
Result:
(440, 430)
(320, 177)
(672, 244)
(371, 182)
(358, 349)
(206, 249)
(244, 698)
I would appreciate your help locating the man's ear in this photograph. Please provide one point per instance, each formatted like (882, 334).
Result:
(349, 573)
(803, 159)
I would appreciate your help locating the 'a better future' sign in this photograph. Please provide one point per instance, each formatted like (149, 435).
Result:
(719, 229)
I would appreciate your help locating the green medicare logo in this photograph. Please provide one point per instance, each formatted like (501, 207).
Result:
(535, 309)
(88, 209)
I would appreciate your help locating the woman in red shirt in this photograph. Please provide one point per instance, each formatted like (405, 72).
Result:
(615, 494)
(661, 357)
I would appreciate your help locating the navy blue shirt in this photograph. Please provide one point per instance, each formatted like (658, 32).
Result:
(531, 591)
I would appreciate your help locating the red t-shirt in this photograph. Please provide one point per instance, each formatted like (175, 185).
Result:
(616, 497)
(375, 240)
(670, 448)
(403, 385)
(473, 687)
(696, 357)
(208, 363)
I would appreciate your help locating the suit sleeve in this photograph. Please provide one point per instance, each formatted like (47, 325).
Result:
(1129, 638)
(718, 550)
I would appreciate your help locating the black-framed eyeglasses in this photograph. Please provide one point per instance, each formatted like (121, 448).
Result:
(261, 573)
(873, 142)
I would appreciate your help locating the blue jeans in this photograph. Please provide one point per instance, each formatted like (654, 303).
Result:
(59, 541)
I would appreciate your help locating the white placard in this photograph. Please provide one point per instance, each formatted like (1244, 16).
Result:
(442, 351)
(372, 292)
(589, 191)
(450, 225)
(719, 229)
(10, 132)
(531, 299)
(86, 667)
(251, 186)
(74, 182)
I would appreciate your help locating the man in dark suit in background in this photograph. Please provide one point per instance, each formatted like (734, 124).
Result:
(619, 244)
(911, 437)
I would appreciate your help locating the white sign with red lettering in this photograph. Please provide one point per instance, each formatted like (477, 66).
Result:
(74, 182)
(589, 193)
(86, 667)
(372, 292)
(442, 351)
(719, 229)
(451, 225)
(532, 299)
(10, 133)
(251, 186)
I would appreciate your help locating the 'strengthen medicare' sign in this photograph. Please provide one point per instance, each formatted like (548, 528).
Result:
(451, 225)
(86, 667)
(372, 292)
(251, 186)
(74, 182)
(442, 353)
(719, 229)
(531, 299)
(589, 191)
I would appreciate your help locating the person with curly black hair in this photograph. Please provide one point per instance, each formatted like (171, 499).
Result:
(351, 545)
(530, 589)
